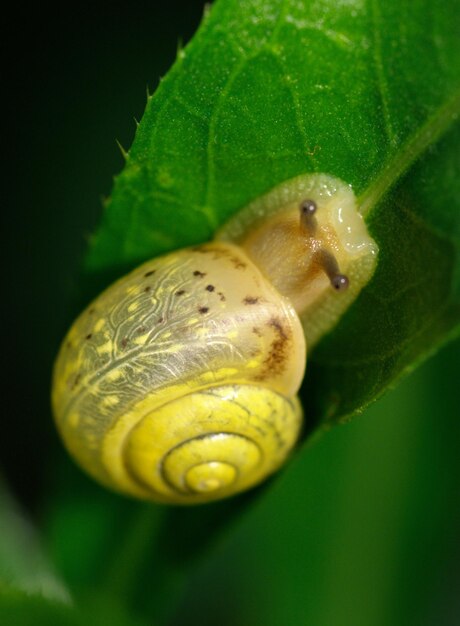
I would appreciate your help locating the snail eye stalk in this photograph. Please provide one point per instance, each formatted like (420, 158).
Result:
(179, 383)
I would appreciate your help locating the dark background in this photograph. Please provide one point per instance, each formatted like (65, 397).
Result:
(75, 78)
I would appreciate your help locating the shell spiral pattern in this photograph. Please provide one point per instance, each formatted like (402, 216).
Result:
(178, 383)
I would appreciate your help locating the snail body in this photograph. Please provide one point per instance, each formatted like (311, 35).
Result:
(178, 383)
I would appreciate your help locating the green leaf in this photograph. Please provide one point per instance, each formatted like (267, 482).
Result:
(413, 302)
(27, 609)
(24, 566)
(267, 90)
(32, 593)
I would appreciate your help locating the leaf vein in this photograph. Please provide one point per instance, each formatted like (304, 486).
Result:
(210, 178)
(380, 73)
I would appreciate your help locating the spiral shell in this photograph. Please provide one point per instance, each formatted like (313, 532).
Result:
(178, 383)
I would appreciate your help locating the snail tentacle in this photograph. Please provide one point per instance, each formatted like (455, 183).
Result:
(178, 383)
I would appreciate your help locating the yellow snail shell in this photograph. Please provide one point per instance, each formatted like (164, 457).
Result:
(178, 383)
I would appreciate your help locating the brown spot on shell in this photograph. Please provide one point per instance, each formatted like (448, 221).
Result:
(199, 274)
(203, 310)
(277, 325)
(250, 300)
(89, 336)
(210, 288)
(124, 342)
(219, 252)
(207, 249)
(278, 354)
(141, 329)
(221, 296)
(149, 273)
(147, 289)
(238, 264)
(76, 381)
(180, 292)
(257, 331)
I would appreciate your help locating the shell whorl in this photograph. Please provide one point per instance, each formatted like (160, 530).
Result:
(178, 383)
(225, 439)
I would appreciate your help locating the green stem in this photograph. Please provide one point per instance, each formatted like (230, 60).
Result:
(134, 552)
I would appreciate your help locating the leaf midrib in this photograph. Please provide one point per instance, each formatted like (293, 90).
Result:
(426, 136)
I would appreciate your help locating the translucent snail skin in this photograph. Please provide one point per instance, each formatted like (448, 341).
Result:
(178, 383)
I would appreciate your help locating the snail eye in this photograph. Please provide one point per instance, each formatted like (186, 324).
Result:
(308, 220)
(340, 282)
(308, 207)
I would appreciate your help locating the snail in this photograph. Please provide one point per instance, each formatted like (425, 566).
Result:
(178, 383)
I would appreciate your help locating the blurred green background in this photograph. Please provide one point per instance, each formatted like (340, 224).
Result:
(361, 529)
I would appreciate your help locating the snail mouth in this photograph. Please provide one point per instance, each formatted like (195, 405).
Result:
(209, 463)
